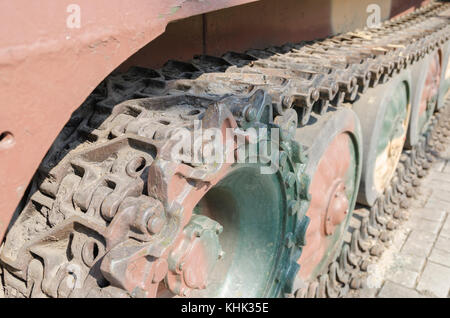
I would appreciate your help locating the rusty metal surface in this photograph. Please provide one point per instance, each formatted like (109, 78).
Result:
(373, 57)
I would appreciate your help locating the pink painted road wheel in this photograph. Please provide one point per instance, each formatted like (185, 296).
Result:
(334, 149)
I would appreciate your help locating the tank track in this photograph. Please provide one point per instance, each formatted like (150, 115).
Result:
(93, 169)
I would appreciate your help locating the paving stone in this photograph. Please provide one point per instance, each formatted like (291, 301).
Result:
(442, 196)
(422, 196)
(439, 165)
(440, 257)
(419, 243)
(446, 227)
(412, 262)
(435, 279)
(403, 276)
(438, 176)
(428, 214)
(393, 290)
(424, 225)
(365, 293)
(419, 203)
(434, 202)
(439, 181)
(398, 238)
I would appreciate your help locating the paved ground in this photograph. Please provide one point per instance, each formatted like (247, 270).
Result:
(417, 264)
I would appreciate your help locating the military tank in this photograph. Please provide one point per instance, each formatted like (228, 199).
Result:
(237, 174)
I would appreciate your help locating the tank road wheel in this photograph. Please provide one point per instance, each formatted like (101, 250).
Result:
(384, 113)
(334, 164)
(426, 75)
(445, 75)
(120, 216)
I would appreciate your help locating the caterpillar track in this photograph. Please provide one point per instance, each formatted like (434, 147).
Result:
(371, 229)
(109, 214)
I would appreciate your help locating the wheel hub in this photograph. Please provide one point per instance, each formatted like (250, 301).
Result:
(334, 167)
(337, 209)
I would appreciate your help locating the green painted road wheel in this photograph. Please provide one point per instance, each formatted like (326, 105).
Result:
(231, 226)
(384, 113)
(252, 209)
(262, 221)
